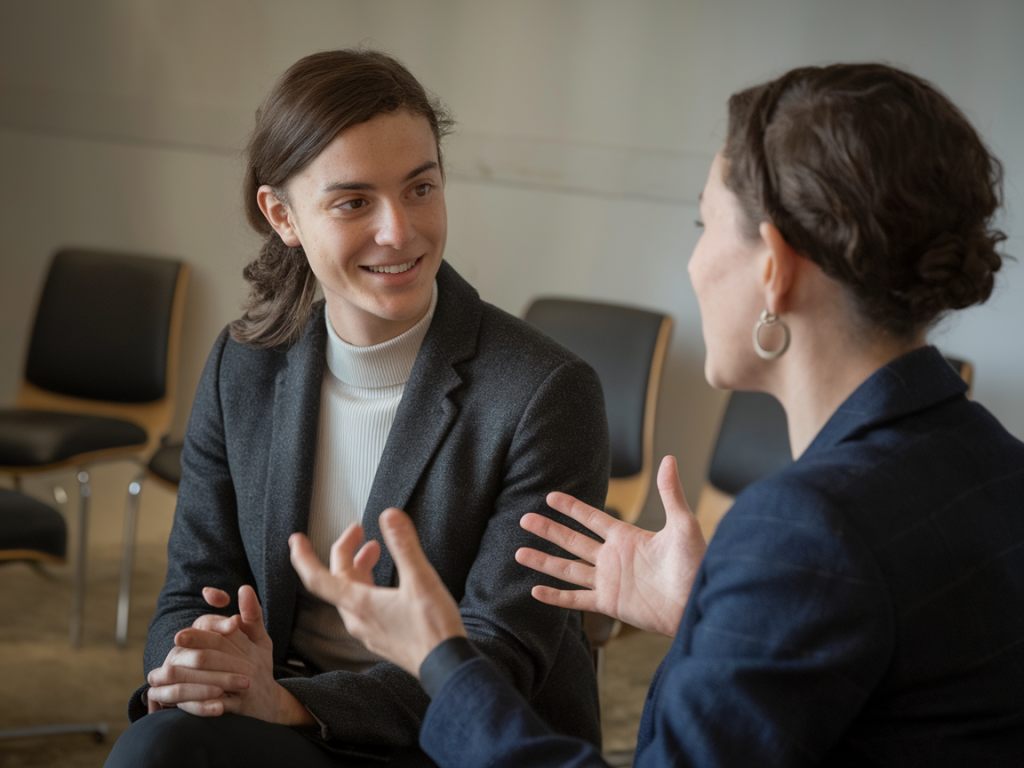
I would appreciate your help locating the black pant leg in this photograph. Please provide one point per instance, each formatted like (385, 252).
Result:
(172, 738)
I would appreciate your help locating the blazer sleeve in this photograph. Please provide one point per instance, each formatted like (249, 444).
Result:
(559, 442)
(478, 718)
(205, 546)
(788, 630)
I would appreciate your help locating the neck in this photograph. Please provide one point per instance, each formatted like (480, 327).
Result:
(821, 371)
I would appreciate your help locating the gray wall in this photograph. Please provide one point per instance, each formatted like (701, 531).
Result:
(586, 129)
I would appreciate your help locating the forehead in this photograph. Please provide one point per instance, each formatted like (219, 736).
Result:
(390, 144)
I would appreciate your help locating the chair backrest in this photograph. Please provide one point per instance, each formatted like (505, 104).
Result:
(753, 442)
(106, 338)
(626, 346)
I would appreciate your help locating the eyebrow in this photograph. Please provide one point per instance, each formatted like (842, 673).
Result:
(358, 186)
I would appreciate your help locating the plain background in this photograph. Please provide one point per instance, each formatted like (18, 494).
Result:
(586, 130)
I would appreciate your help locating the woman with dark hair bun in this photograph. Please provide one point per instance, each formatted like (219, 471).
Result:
(400, 388)
(863, 606)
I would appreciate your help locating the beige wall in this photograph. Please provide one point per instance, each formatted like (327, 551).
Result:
(586, 131)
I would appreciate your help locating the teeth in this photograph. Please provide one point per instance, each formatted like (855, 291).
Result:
(396, 269)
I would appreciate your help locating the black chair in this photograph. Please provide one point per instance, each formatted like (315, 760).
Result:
(34, 532)
(753, 442)
(99, 381)
(626, 346)
(165, 467)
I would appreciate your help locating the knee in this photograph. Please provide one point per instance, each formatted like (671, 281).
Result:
(165, 739)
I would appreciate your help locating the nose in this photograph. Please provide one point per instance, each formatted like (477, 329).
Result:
(394, 227)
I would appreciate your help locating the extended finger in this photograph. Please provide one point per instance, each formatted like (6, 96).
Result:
(211, 708)
(209, 662)
(218, 598)
(589, 517)
(573, 571)
(212, 622)
(351, 560)
(171, 675)
(573, 542)
(671, 490)
(400, 536)
(233, 644)
(177, 695)
(364, 561)
(574, 599)
(316, 578)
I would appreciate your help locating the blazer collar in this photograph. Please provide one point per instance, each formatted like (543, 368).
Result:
(427, 411)
(914, 382)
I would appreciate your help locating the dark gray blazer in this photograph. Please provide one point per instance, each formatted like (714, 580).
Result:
(494, 416)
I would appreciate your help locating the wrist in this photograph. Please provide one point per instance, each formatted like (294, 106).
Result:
(290, 710)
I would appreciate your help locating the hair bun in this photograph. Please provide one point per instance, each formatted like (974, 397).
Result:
(955, 272)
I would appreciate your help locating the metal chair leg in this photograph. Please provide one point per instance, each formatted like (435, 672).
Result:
(124, 595)
(78, 587)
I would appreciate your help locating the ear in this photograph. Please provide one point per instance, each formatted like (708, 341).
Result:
(780, 269)
(279, 215)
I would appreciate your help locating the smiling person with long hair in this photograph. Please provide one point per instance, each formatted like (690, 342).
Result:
(400, 388)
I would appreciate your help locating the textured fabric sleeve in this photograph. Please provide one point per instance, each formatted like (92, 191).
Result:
(478, 719)
(443, 661)
(205, 546)
(788, 630)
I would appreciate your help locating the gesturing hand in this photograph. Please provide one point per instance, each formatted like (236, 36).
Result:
(225, 664)
(402, 624)
(640, 577)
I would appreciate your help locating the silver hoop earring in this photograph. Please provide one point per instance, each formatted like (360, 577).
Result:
(769, 320)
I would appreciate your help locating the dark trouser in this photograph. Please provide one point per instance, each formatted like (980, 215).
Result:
(172, 738)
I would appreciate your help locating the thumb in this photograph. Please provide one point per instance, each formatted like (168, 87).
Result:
(218, 598)
(671, 491)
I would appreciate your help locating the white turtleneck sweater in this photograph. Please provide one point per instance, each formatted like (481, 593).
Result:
(361, 390)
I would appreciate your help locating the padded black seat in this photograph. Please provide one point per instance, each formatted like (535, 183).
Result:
(30, 530)
(626, 347)
(753, 442)
(30, 438)
(99, 376)
(33, 531)
(166, 464)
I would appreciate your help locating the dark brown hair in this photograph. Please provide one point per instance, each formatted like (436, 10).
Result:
(878, 178)
(319, 96)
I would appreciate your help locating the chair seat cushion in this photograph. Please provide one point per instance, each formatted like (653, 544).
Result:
(166, 463)
(36, 438)
(27, 524)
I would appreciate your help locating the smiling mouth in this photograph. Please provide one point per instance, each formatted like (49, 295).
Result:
(395, 269)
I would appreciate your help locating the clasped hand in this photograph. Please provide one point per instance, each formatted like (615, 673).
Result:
(225, 664)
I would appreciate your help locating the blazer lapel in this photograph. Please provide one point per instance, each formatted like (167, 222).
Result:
(289, 477)
(427, 411)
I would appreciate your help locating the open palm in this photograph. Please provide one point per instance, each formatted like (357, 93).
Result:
(637, 576)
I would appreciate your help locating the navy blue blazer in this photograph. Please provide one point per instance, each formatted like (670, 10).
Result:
(864, 606)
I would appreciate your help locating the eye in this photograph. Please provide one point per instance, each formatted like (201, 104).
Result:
(422, 190)
(352, 205)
